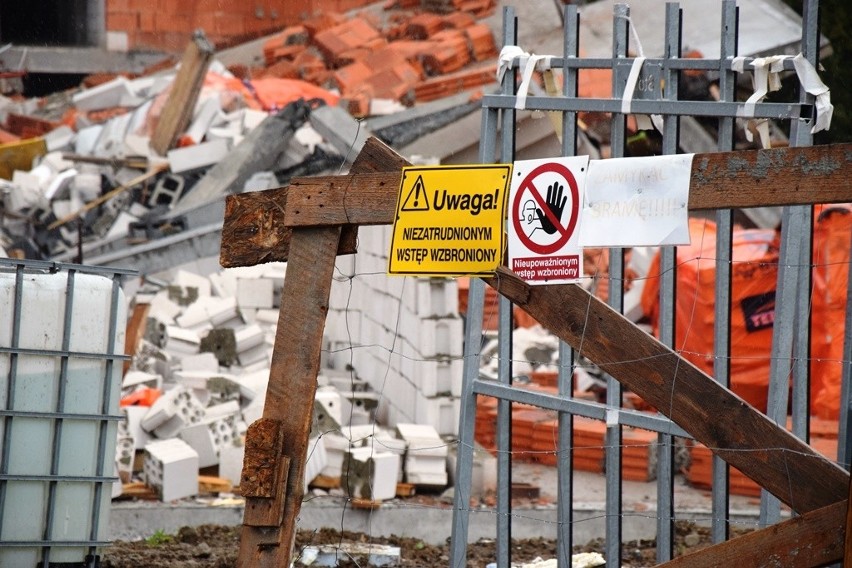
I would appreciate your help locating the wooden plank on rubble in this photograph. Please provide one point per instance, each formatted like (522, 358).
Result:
(745, 438)
(184, 94)
(782, 176)
(813, 539)
(276, 445)
(253, 231)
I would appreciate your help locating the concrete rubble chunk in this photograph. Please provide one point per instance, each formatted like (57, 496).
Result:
(106, 95)
(196, 157)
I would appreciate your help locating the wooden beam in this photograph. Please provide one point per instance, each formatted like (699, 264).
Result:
(253, 231)
(184, 94)
(786, 466)
(813, 539)
(289, 399)
(847, 541)
(276, 445)
(783, 176)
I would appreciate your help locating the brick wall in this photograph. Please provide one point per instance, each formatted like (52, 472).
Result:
(168, 24)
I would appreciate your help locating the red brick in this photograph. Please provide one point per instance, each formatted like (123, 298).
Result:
(141, 5)
(231, 25)
(176, 7)
(202, 6)
(118, 6)
(117, 21)
(147, 22)
(175, 23)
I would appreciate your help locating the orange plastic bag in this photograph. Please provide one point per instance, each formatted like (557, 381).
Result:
(754, 273)
(832, 233)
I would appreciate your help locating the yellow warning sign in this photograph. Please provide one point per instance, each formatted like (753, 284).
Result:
(449, 220)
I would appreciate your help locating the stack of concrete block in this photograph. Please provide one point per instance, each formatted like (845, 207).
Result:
(171, 468)
(425, 455)
(403, 336)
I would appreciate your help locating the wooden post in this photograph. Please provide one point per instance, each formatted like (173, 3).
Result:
(269, 526)
(847, 541)
(273, 474)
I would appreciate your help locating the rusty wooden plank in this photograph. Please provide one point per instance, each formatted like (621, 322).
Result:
(847, 541)
(292, 384)
(744, 437)
(264, 472)
(782, 176)
(361, 199)
(813, 539)
(253, 231)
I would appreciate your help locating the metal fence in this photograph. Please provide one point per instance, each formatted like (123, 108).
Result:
(790, 346)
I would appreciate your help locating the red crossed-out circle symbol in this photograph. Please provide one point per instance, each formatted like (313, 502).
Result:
(528, 186)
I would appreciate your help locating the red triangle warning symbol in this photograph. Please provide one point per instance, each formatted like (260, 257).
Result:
(417, 199)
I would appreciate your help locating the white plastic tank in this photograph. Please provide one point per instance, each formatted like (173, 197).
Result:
(59, 390)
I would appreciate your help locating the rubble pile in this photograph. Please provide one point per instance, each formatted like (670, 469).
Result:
(109, 158)
(198, 377)
(415, 57)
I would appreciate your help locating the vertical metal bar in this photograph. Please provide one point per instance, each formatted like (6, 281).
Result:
(472, 350)
(780, 366)
(504, 367)
(844, 451)
(504, 439)
(800, 135)
(724, 236)
(58, 422)
(790, 333)
(565, 455)
(11, 385)
(668, 299)
(103, 429)
(616, 300)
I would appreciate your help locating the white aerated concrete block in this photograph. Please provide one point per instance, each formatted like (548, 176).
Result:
(105, 95)
(231, 462)
(317, 460)
(181, 341)
(133, 418)
(200, 439)
(204, 362)
(371, 475)
(439, 377)
(248, 337)
(187, 279)
(172, 412)
(198, 156)
(255, 292)
(437, 298)
(441, 412)
(133, 379)
(171, 468)
(440, 337)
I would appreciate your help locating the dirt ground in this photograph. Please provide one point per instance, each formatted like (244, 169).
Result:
(212, 546)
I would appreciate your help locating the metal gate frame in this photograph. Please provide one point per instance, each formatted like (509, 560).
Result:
(790, 346)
